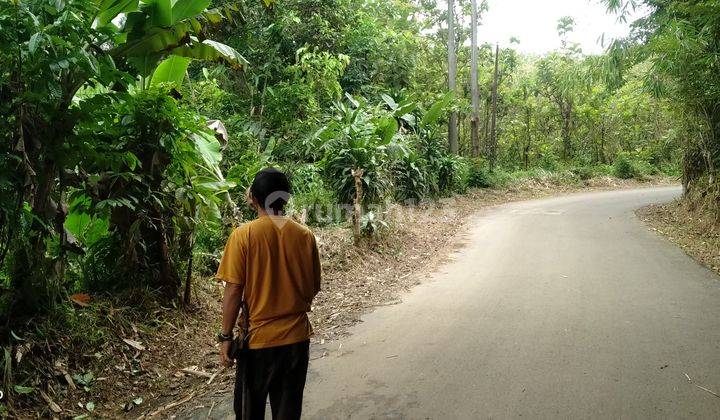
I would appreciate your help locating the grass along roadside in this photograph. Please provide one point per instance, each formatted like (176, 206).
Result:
(132, 357)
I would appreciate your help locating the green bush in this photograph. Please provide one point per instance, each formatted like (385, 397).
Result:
(627, 166)
(583, 172)
(371, 225)
(411, 178)
(304, 177)
(480, 177)
(319, 206)
(604, 170)
(359, 137)
(375, 180)
(623, 167)
(644, 169)
(453, 174)
(209, 244)
(432, 149)
(669, 169)
(311, 196)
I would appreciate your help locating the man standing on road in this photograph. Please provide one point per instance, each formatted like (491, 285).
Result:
(272, 264)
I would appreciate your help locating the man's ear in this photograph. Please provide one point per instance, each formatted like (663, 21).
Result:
(249, 199)
(254, 203)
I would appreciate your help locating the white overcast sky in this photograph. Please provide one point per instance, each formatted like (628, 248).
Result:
(534, 22)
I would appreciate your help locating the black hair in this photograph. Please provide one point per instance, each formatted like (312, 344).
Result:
(271, 188)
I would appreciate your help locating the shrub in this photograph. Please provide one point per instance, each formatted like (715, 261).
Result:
(480, 176)
(209, 243)
(623, 167)
(310, 195)
(338, 167)
(432, 149)
(304, 177)
(583, 172)
(360, 138)
(319, 206)
(548, 160)
(453, 174)
(371, 225)
(627, 166)
(411, 178)
(604, 170)
(669, 169)
(644, 169)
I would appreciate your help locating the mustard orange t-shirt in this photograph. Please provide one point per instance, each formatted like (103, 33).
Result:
(276, 260)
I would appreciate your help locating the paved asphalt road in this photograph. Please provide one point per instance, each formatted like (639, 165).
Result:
(553, 309)
(560, 308)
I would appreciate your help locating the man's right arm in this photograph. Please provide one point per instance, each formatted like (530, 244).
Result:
(232, 272)
(232, 300)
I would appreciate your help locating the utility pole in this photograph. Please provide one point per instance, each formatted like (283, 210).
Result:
(474, 93)
(493, 121)
(452, 75)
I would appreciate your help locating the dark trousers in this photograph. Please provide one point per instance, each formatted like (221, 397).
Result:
(279, 372)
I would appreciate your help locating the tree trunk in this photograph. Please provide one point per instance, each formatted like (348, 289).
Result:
(493, 121)
(36, 278)
(169, 278)
(602, 157)
(528, 138)
(452, 75)
(188, 281)
(567, 145)
(486, 128)
(474, 93)
(357, 204)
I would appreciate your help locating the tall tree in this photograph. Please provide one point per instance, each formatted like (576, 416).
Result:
(474, 93)
(493, 122)
(452, 75)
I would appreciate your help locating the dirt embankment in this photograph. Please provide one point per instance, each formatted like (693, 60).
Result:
(168, 363)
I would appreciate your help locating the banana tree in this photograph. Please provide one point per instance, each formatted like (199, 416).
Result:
(159, 38)
(52, 51)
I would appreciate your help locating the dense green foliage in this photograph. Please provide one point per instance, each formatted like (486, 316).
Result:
(680, 40)
(110, 172)
(111, 178)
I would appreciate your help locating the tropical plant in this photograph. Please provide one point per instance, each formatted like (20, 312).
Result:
(411, 178)
(360, 138)
(60, 54)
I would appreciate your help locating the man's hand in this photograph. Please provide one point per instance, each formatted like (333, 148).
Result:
(225, 359)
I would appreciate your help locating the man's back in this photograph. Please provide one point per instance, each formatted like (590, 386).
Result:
(275, 259)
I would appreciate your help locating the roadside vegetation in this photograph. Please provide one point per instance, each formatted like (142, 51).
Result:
(130, 131)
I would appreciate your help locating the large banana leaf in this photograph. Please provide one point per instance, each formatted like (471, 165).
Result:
(209, 50)
(109, 9)
(436, 110)
(155, 40)
(166, 28)
(184, 9)
(166, 13)
(146, 64)
(171, 70)
(386, 129)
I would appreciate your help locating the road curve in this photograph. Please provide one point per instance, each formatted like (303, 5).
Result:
(559, 308)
